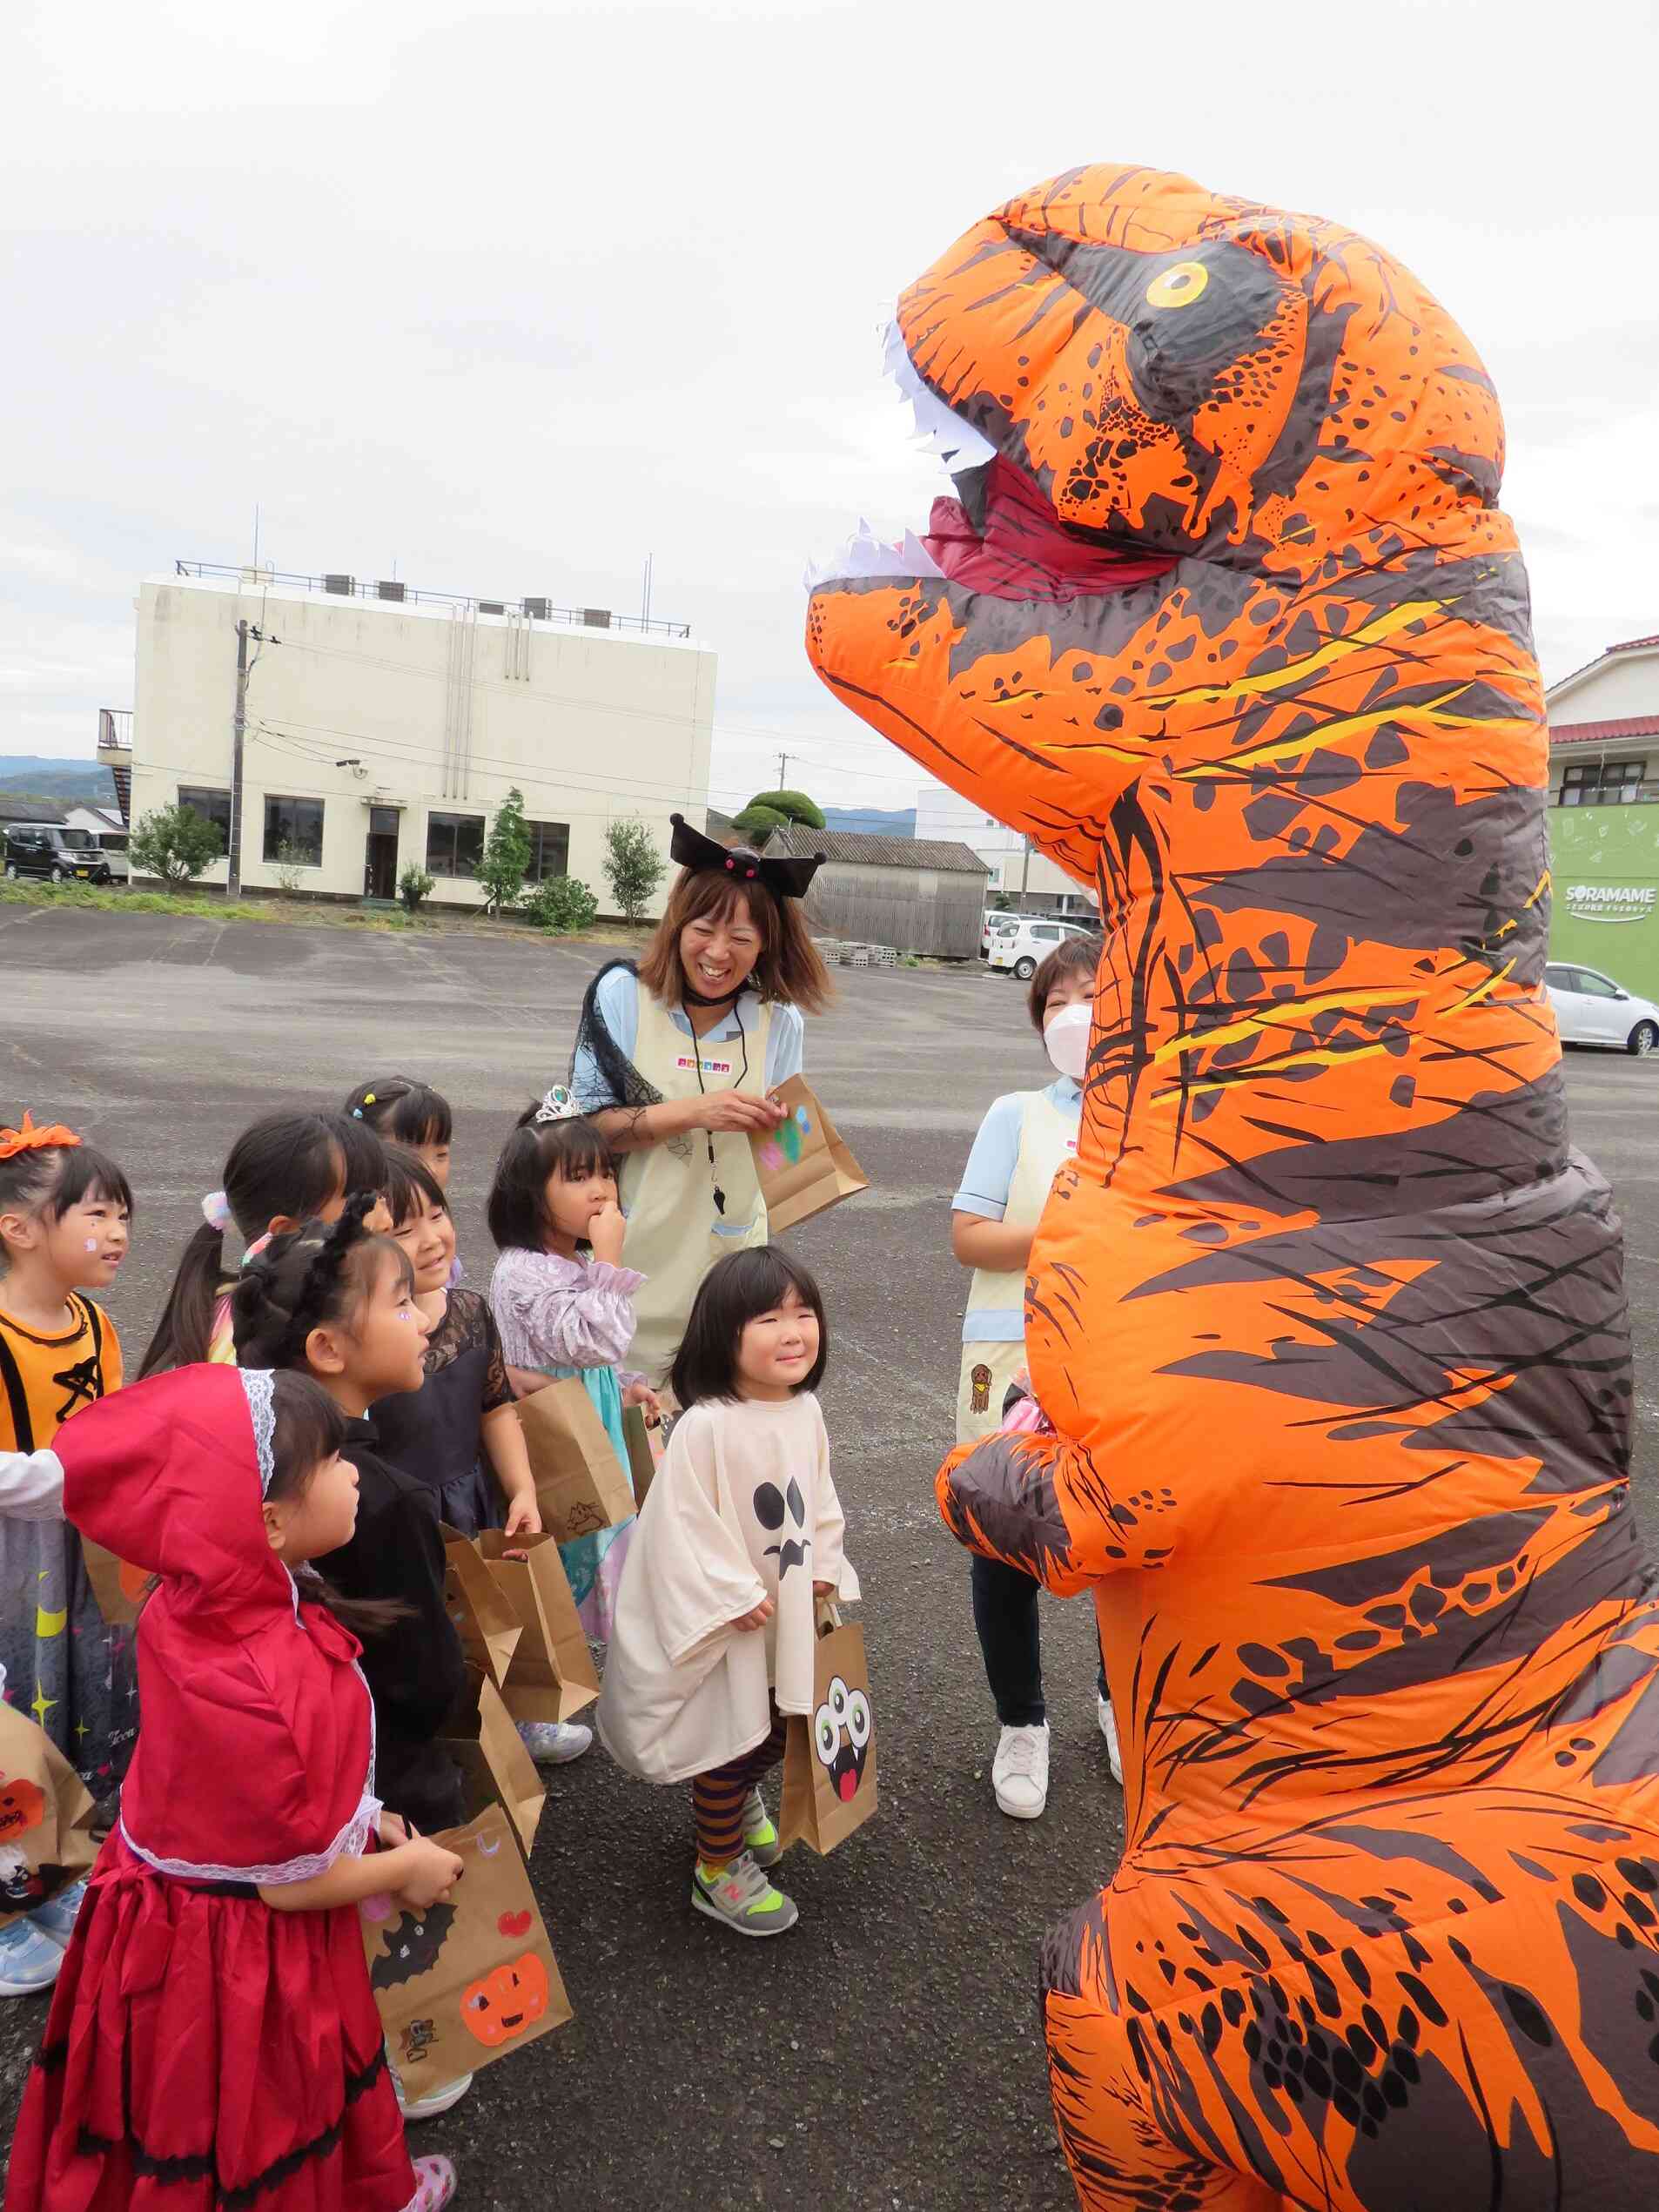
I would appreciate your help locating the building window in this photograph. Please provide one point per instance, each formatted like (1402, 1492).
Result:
(1609, 782)
(549, 850)
(294, 831)
(454, 844)
(213, 805)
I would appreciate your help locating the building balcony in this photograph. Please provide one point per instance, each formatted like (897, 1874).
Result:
(115, 753)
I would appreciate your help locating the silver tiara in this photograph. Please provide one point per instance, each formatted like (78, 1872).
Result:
(557, 1105)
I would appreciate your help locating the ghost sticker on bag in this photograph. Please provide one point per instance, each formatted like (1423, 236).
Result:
(412, 1945)
(842, 1728)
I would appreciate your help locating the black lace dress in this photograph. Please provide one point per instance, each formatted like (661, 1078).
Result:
(433, 1433)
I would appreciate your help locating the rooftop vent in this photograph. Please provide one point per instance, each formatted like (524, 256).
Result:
(596, 617)
(492, 606)
(344, 585)
(538, 609)
(389, 590)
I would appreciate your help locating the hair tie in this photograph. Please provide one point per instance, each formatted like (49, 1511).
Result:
(32, 1138)
(216, 1211)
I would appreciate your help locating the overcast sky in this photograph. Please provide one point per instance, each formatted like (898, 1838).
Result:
(515, 294)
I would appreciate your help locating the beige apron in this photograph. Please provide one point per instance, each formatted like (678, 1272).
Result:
(675, 1235)
(1047, 1139)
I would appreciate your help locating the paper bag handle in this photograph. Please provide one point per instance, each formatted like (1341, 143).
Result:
(829, 1617)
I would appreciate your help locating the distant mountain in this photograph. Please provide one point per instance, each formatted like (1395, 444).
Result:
(875, 821)
(32, 775)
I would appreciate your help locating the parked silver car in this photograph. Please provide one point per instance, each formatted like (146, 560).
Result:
(1591, 1008)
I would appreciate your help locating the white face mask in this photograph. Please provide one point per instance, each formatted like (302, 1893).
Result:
(1065, 1036)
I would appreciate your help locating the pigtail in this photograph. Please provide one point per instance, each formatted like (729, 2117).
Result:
(291, 1287)
(185, 1331)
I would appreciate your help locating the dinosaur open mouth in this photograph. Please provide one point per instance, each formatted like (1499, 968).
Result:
(1000, 534)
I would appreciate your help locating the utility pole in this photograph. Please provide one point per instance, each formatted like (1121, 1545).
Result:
(233, 883)
(1024, 874)
(782, 770)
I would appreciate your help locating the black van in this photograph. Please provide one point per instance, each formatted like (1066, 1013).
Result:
(62, 855)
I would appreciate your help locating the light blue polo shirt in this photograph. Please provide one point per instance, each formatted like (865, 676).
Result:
(985, 1182)
(619, 1004)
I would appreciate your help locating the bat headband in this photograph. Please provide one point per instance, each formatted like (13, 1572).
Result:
(783, 879)
(32, 1138)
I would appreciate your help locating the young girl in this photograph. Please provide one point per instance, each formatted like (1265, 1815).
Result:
(63, 1214)
(285, 1169)
(403, 1111)
(1026, 1136)
(213, 2039)
(564, 1302)
(442, 1432)
(739, 1537)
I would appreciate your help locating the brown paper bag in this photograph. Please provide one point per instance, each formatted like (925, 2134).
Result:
(644, 1451)
(829, 1757)
(552, 1675)
(45, 1818)
(488, 1628)
(117, 1586)
(468, 1981)
(495, 1769)
(580, 1484)
(804, 1165)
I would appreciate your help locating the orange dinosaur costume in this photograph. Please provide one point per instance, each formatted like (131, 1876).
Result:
(1328, 1318)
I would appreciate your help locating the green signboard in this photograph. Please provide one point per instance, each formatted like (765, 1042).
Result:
(1604, 862)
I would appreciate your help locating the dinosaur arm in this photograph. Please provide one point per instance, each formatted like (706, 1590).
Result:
(1035, 1502)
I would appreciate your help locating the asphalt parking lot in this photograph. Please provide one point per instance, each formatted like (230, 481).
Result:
(886, 2056)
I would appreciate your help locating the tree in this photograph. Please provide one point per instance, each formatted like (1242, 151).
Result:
(634, 867)
(507, 855)
(793, 806)
(176, 843)
(562, 905)
(289, 864)
(755, 819)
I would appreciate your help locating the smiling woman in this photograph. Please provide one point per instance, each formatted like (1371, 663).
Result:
(675, 1059)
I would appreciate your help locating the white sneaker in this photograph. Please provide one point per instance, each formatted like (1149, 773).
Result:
(554, 1743)
(439, 2101)
(1108, 1721)
(29, 1960)
(1019, 1772)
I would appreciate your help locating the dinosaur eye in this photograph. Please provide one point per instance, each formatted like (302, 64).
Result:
(1180, 286)
(858, 1719)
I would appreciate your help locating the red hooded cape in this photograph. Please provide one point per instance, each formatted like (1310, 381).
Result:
(255, 1760)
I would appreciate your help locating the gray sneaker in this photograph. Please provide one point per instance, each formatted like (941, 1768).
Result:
(554, 1743)
(742, 1898)
(761, 1838)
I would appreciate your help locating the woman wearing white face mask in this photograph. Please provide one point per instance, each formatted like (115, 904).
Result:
(1023, 1141)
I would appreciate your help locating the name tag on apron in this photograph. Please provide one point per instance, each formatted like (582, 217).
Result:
(709, 1068)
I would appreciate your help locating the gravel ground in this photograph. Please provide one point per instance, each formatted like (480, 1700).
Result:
(885, 2057)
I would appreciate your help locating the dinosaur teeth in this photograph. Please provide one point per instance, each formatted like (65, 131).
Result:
(865, 554)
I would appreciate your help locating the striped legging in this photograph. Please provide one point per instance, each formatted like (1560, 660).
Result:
(717, 1797)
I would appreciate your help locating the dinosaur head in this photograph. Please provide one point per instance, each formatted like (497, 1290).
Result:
(1167, 413)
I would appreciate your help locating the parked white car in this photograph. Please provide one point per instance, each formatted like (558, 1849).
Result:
(1031, 939)
(1591, 1008)
(995, 920)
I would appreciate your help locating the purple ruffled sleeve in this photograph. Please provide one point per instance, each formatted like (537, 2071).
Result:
(563, 1313)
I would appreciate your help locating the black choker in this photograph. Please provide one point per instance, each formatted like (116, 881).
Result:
(696, 999)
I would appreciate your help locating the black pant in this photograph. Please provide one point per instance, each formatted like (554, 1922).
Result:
(1004, 1613)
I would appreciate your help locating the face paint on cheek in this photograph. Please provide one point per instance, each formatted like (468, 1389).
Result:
(92, 1244)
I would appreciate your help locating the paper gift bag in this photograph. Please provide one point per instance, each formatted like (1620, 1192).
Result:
(830, 1755)
(117, 1587)
(644, 1450)
(488, 1628)
(45, 1818)
(552, 1675)
(580, 1484)
(466, 1981)
(495, 1769)
(803, 1165)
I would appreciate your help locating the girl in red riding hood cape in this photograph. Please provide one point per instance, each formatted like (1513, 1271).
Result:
(213, 2042)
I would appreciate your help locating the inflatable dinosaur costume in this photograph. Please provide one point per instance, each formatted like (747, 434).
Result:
(1327, 1316)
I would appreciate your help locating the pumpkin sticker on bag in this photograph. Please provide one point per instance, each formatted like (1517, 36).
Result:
(23, 1806)
(503, 2003)
(840, 1732)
